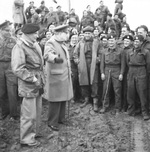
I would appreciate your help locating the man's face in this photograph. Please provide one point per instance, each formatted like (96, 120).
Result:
(112, 42)
(48, 35)
(101, 3)
(43, 41)
(59, 8)
(104, 41)
(32, 4)
(142, 32)
(124, 31)
(87, 35)
(96, 32)
(51, 9)
(74, 39)
(32, 10)
(127, 42)
(6, 32)
(33, 36)
(85, 13)
(137, 44)
(89, 8)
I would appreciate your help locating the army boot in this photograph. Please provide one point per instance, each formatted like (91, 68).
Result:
(95, 104)
(86, 101)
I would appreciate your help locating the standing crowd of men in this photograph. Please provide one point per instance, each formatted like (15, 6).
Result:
(97, 60)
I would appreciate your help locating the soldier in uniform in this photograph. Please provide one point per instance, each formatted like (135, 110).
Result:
(86, 55)
(127, 46)
(112, 69)
(139, 68)
(8, 81)
(27, 64)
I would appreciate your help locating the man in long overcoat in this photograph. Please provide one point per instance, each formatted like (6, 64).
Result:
(27, 64)
(58, 76)
(86, 55)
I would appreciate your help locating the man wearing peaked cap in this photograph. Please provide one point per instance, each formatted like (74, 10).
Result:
(87, 58)
(138, 62)
(59, 83)
(8, 81)
(27, 65)
(61, 28)
(5, 25)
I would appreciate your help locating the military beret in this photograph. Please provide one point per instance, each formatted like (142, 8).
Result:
(61, 28)
(30, 28)
(103, 37)
(144, 27)
(88, 29)
(42, 2)
(5, 24)
(129, 37)
(111, 36)
(139, 37)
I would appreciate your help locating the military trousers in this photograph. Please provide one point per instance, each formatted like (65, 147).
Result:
(8, 90)
(137, 85)
(30, 120)
(112, 78)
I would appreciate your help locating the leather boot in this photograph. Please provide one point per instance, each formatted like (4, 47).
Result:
(95, 104)
(86, 101)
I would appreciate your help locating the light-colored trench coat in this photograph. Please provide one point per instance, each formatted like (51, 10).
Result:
(79, 54)
(58, 85)
(27, 63)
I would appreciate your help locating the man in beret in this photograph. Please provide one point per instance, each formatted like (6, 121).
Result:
(138, 60)
(127, 46)
(27, 65)
(58, 80)
(27, 11)
(112, 70)
(8, 81)
(86, 55)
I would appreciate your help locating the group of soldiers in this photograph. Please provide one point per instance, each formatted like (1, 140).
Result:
(105, 61)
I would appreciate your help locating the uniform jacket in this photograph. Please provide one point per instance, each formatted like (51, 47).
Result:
(6, 46)
(58, 76)
(27, 63)
(79, 54)
(112, 58)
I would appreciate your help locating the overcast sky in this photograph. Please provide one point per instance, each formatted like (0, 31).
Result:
(138, 11)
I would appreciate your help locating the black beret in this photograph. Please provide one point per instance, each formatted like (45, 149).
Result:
(139, 37)
(42, 2)
(111, 36)
(129, 37)
(88, 29)
(30, 28)
(103, 37)
(5, 24)
(61, 28)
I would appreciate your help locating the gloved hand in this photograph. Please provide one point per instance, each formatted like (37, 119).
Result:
(103, 76)
(120, 77)
(59, 60)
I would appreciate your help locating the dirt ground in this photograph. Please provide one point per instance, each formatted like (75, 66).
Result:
(86, 131)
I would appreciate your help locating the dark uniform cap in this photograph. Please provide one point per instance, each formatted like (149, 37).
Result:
(111, 36)
(88, 29)
(139, 37)
(5, 24)
(129, 37)
(61, 28)
(30, 28)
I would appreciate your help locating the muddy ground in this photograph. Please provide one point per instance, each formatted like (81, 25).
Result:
(86, 131)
